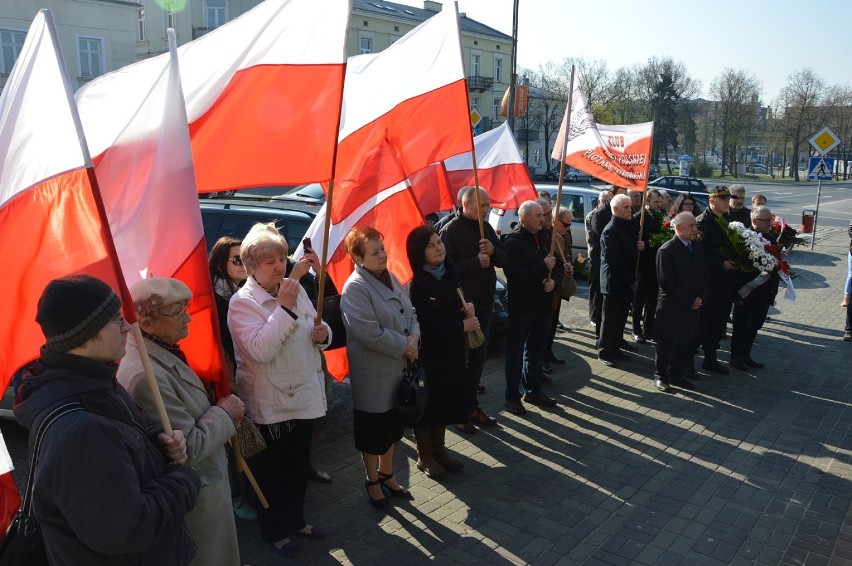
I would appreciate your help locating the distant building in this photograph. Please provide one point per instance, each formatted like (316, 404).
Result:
(96, 36)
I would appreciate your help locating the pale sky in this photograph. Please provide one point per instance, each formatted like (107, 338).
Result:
(770, 39)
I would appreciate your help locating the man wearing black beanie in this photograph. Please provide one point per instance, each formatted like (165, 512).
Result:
(108, 489)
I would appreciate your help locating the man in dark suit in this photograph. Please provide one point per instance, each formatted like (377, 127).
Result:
(532, 274)
(755, 293)
(619, 252)
(596, 221)
(681, 272)
(645, 299)
(720, 272)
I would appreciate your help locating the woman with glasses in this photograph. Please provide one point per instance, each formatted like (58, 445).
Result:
(161, 306)
(682, 203)
(278, 347)
(228, 274)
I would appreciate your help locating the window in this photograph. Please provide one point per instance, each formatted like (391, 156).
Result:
(11, 43)
(474, 104)
(366, 45)
(537, 157)
(474, 64)
(498, 69)
(497, 102)
(217, 13)
(91, 56)
(140, 26)
(171, 21)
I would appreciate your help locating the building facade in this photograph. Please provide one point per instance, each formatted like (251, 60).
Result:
(96, 36)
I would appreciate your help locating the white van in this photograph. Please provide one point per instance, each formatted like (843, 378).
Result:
(578, 200)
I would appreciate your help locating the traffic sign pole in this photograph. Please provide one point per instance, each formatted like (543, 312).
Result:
(816, 214)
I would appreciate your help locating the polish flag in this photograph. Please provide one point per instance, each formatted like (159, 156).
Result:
(500, 167)
(51, 220)
(136, 125)
(262, 95)
(414, 95)
(431, 189)
(10, 499)
(620, 155)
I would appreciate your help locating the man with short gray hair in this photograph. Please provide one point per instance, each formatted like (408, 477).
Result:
(738, 211)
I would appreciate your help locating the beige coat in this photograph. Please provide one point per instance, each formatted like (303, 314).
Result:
(207, 429)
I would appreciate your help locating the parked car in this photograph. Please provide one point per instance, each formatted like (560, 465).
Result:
(689, 184)
(702, 199)
(572, 174)
(233, 217)
(578, 200)
(757, 168)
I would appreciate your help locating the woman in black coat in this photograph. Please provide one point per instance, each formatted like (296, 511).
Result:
(443, 322)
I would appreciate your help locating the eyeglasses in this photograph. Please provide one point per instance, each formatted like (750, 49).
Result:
(236, 261)
(182, 308)
(736, 198)
(764, 219)
(118, 319)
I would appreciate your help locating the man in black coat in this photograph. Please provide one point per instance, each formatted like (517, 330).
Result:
(645, 299)
(532, 274)
(619, 251)
(720, 273)
(755, 293)
(475, 258)
(681, 272)
(596, 221)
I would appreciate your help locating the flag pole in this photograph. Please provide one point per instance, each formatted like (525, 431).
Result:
(476, 184)
(562, 164)
(641, 229)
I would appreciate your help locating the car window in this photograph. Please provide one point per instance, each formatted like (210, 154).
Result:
(574, 203)
(296, 230)
(679, 183)
(238, 225)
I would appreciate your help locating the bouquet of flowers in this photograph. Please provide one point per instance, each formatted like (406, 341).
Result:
(733, 247)
(785, 235)
(661, 236)
(754, 246)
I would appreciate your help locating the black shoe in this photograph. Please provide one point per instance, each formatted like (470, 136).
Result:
(750, 362)
(515, 407)
(377, 503)
(690, 373)
(466, 428)
(622, 356)
(479, 417)
(319, 476)
(545, 368)
(558, 361)
(629, 347)
(738, 364)
(561, 327)
(545, 379)
(607, 362)
(682, 382)
(715, 367)
(639, 339)
(480, 389)
(540, 400)
(400, 492)
(660, 383)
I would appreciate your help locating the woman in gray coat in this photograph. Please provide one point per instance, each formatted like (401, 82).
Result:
(382, 332)
(161, 306)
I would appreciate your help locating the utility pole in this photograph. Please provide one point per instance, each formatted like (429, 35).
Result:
(514, 78)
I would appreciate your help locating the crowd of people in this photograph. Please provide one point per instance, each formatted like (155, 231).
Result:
(178, 488)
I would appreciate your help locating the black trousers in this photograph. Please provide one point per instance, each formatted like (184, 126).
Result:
(595, 299)
(748, 320)
(551, 332)
(281, 473)
(672, 357)
(714, 319)
(645, 308)
(476, 357)
(614, 317)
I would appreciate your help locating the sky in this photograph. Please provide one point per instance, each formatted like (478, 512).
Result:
(771, 39)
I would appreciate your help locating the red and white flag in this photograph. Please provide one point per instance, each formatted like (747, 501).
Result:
(10, 499)
(412, 95)
(500, 167)
(138, 128)
(262, 95)
(620, 155)
(50, 224)
(431, 189)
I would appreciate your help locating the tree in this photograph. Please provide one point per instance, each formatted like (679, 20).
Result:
(737, 111)
(548, 95)
(664, 115)
(801, 100)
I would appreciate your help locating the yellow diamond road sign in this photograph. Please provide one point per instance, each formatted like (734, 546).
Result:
(475, 118)
(824, 141)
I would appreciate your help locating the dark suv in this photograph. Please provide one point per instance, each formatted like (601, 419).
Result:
(226, 217)
(686, 184)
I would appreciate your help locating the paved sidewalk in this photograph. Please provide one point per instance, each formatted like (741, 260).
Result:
(749, 468)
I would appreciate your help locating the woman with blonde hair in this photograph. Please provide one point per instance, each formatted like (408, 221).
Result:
(382, 332)
(280, 378)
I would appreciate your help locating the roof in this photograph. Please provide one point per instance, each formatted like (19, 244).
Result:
(419, 15)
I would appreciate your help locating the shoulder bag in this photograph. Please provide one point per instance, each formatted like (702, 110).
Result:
(412, 394)
(23, 543)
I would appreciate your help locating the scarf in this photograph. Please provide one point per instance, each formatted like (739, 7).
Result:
(224, 287)
(437, 271)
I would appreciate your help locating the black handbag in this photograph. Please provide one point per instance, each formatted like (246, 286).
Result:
(412, 394)
(332, 315)
(23, 544)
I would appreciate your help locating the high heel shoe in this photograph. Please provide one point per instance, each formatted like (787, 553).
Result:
(401, 492)
(377, 503)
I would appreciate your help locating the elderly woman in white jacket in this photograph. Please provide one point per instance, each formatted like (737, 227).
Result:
(280, 378)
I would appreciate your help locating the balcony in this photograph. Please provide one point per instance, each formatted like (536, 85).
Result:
(480, 84)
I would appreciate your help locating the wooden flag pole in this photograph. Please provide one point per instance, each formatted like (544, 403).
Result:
(641, 228)
(242, 466)
(476, 184)
(562, 165)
